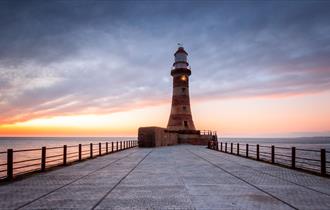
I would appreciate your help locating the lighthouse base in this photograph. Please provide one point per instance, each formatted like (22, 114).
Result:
(157, 137)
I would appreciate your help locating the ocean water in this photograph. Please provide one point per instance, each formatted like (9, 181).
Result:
(17, 143)
(307, 147)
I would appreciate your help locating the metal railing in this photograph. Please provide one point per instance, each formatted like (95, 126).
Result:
(310, 160)
(208, 132)
(44, 158)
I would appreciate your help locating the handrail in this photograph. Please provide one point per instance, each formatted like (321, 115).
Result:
(52, 156)
(263, 146)
(27, 166)
(308, 150)
(50, 161)
(65, 155)
(284, 156)
(301, 158)
(51, 148)
(27, 150)
(24, 161)
(286, 148)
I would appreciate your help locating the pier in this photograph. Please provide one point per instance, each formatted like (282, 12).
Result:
(174, 177)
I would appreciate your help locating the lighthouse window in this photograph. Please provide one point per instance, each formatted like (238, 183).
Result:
(183, 90)
(185, 123)
(184, 108)
(183, 78)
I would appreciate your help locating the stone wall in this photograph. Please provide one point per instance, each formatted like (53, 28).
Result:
(195, 139)
(157, 137)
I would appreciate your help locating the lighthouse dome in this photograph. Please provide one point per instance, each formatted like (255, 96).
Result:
(180, 59)
(181, 55)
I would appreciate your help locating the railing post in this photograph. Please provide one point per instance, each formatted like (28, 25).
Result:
(64, 154)
(237, 148)
(221, 146)
(273, 154)
(121, 145)
(293, 157)
(100, 149)
(10, 164)
(247, 150)
(79, 152)
(106, 148)
(231, 148)
(323, 162)
(43, 158)
(111, 147)
(91, 150)
(258, 152)
(117, 146)
(226, 147)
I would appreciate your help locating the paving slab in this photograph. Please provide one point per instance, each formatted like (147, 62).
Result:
(175, 177)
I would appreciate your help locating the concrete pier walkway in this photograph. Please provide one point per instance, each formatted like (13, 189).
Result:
(177, 177)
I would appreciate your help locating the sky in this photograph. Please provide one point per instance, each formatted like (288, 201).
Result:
(102, 68)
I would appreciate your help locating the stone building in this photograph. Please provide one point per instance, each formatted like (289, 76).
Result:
(180, 128)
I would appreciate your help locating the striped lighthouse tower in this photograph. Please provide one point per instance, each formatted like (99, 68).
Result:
(180, 117)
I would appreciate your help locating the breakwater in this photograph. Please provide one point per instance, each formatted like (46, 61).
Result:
(174, 177)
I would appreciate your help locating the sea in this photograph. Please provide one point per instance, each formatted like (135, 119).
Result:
(17, 143)
(307, 147)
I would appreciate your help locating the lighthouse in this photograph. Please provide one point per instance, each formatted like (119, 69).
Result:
(180, 127)
(180, 117)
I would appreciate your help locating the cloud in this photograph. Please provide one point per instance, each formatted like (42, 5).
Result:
(62, 58)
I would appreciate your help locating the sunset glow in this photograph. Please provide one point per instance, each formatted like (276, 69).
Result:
(301, 115)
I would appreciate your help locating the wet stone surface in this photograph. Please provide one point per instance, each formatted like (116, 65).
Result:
(176, 177)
